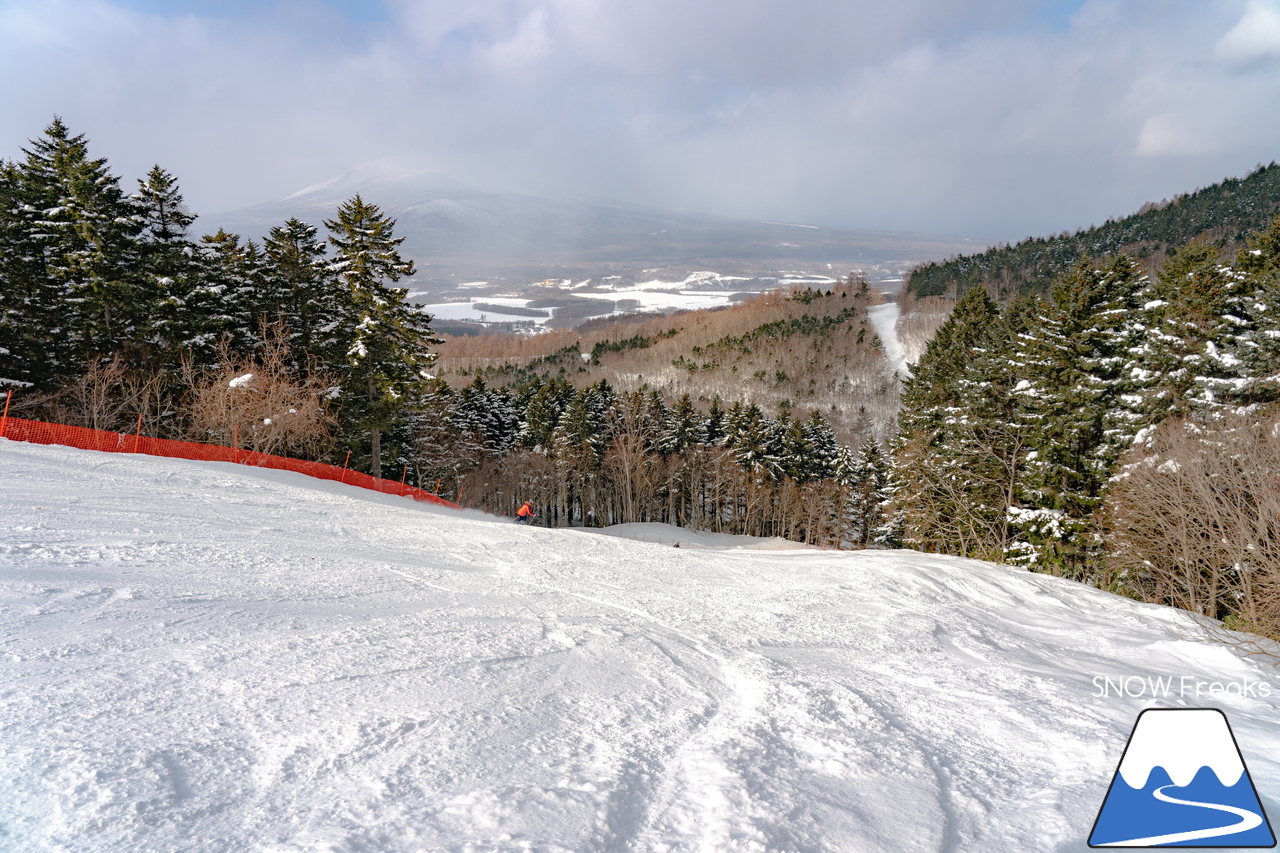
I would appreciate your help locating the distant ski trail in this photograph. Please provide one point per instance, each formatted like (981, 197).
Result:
(884, 318)
(1248, 820)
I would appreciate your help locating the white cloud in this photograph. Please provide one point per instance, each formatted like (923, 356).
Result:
(1170, 135)
(968, 117)
(1255, 37)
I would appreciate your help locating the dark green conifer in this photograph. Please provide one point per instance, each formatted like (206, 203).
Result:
(79, 255)
(301, 291)
(388, 340)
(1081, 403)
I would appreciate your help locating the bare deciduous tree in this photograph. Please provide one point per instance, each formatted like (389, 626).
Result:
(1194, 520)
(261, 404)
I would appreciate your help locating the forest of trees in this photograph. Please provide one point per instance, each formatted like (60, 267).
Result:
(1035, 432)
(1122, 430)
(1224, 213)
(110, 310)
(597, 457)
(801, 350)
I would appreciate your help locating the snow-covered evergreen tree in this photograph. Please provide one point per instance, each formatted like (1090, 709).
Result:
(581, 428)
(685, 427)
(491, 413)
(76, 264)
(1082, 405)
(755, 441)
(945, 497)
(1259, 263)
(545, 402)
(869, 496)
(223, 305)
(171, 266)
(302, 291)
(389, 340)
(822, 448)
(33, 348)
(1200, 320)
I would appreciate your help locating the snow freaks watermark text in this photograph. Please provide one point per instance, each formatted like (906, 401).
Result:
(1175, 687)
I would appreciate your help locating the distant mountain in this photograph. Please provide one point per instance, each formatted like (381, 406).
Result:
(1226, 212)
(453, 230)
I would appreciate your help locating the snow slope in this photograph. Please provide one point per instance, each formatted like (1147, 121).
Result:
(884, 319)
(205, 657)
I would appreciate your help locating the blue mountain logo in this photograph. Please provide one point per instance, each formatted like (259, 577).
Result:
(1182, 783)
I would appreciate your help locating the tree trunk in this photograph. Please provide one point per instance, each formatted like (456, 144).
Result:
(375, 436)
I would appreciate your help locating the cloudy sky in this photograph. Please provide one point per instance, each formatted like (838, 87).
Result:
(985, 118)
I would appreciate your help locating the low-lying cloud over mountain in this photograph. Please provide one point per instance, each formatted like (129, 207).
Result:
(451, 229)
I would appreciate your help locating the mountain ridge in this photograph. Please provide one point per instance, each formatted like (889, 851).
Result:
(1226, 213)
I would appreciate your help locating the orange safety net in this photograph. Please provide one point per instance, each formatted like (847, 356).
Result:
(39, 432)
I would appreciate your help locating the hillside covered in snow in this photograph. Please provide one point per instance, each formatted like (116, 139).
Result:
(205, 657)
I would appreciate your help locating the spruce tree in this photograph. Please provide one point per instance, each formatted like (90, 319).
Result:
(685, 427)
(1082, 405)
(581, 426)
(1258, 263)
(823, 449)
(31, 343)
(933, 451)
(545, 404)
(223, 307)
(445, 446)
(388, 340)
(491, 413)
(171, 268)
(1199, 320)
(79, 255)
(301, 291)
(870, 495)
(715, 423)
(755, 441)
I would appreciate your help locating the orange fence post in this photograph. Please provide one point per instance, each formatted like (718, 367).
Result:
(402, 478)
(137, 436)
(4, 421)
(343, 479)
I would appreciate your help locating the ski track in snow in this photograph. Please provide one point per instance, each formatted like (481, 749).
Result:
(206, 657)
(884, 319)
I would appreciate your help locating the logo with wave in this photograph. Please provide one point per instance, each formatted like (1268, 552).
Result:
(1182, 782)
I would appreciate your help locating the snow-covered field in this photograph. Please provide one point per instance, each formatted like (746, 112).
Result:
(204, 657)
(697, 291)
(658, 301)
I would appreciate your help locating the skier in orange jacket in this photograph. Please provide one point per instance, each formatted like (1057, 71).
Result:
(525, 514)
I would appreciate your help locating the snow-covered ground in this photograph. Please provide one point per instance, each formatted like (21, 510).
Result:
(205, 657)
(655, 300)
(697, 291)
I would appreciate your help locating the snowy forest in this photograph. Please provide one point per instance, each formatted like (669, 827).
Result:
(1226, 212)
(112, 314)
(1122, 431)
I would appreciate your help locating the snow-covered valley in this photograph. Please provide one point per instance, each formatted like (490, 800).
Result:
(205, 657)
